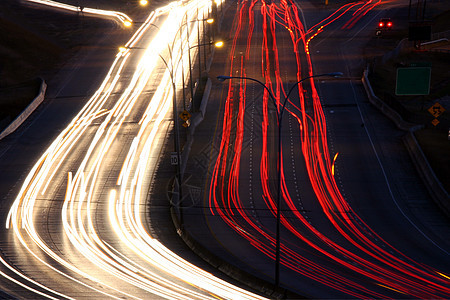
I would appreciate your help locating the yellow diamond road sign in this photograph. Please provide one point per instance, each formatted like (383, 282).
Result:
(436, 110)
(435, 122)
(185, 115)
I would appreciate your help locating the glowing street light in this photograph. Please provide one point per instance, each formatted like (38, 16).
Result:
(218, 44)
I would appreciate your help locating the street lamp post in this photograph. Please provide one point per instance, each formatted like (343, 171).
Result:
(175, 111)
(209, 21)
(185, 23)
(176, 136)
(279, 119)
(171, 70)
(170, 50)
(216, 44)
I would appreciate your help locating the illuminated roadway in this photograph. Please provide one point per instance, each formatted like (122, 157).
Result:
(77, 227)
(348, 229)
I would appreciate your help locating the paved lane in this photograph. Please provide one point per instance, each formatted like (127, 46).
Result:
(330, 249)
(78, 227)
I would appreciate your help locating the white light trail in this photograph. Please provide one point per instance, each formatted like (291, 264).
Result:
(133, 257)
(121, 17)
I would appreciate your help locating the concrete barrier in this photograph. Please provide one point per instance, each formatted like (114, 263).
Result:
(434, 186)
(386, 109)
(436, 190)
(402, 46)
(26, 112)
(196, 119)
(258, 284)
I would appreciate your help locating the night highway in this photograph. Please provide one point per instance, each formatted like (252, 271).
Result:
(345, 231)
(293, 185)
(77, 226)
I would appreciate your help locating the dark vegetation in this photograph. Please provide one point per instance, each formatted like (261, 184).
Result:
(36, 41)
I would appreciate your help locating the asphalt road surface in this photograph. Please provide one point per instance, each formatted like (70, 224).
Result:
(359, 224)
(81, 199)
(76, 220)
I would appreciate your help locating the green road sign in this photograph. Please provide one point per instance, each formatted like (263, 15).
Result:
(413, 81)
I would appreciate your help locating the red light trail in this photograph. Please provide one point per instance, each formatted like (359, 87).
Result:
(365, 254)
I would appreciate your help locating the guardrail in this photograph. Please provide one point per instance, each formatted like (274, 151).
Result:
(386, 109)
(435, 188)
(434, 44)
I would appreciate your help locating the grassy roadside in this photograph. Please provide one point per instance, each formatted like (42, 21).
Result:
(433, 139)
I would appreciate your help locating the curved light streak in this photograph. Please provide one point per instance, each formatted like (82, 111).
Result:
(119, 16)
(380, 270)
(133, 257)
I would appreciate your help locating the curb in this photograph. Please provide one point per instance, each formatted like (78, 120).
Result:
(437, 192)
(230, 270)
(26, 112)
(434, 186)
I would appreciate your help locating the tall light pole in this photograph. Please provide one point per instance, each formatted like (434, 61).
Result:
(279, 119)
(176, 137)
(171, 70)
(209, 21)
(216, 44)
(171, 67)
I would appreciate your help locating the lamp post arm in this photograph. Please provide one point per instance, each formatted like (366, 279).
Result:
(170, 50)
(195, 46)
(334, 74)
(167, 67)
(279, 117)
(259, 82)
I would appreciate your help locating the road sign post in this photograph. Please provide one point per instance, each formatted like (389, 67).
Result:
(185, 115)
(174, 158)
(436, 110)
